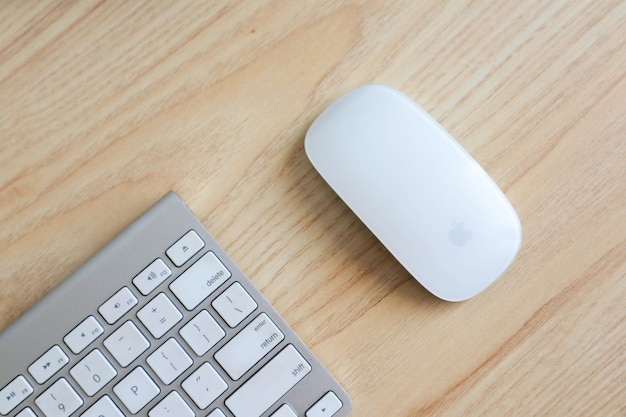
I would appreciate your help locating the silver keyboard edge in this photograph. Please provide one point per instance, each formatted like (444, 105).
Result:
(80, 294)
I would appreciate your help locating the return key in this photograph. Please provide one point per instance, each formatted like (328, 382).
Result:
(243, 351)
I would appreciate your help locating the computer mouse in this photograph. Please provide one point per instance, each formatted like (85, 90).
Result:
(417, 189)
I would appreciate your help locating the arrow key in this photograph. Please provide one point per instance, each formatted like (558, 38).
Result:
(327, 406)
(48, 364)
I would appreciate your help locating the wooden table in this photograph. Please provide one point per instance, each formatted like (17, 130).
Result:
(105, 106)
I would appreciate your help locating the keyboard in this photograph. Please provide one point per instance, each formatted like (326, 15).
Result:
(161, 323)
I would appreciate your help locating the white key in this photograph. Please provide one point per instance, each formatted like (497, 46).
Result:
(93, 372)
(27, 412)
(266, 387)
(327, 406)
(83, 334)
(284, 411)
(136, 390)
(172, 405)
(234, 304)
(187, 246)
(249, 346)
(216, 413)
(13, 394)
(151, 277)
(126, 344)
(48, 364)
(204, 385)
(60, 400)
(202, 333)
(104, 407)
(119, 304)
(159, 315)
(169, 361)
(200, 280)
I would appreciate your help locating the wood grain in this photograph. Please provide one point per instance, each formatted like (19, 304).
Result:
(108, 105)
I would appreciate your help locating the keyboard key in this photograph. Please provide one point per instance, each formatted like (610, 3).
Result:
(172, 405)
(48, 364)
(234, 304)
(104, 407)
(202, 333)
(118, 305)
(93, 372)
(327, 406)
(60, 400)
(169, 361)
(284, 411)
(216, 413)
(159, 315)
(249, 346)
(13, 394)
(187, 246)
(136, 390)
(151, 277)
(27, 412)
(204, 385)
(83, 334)
(126, 344)
(200, 280)
(266, 387)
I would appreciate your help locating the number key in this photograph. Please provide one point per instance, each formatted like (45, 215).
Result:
(93, 372)
(60, 400)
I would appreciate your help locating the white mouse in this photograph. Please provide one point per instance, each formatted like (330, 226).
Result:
(421, 194)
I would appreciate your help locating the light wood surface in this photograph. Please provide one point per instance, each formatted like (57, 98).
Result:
(105, 106)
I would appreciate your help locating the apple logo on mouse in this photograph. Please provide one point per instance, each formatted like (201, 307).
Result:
(459, 235)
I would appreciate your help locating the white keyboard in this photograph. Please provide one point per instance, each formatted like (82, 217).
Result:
(161, 323)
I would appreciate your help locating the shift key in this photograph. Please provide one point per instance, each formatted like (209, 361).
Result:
(266, 387)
